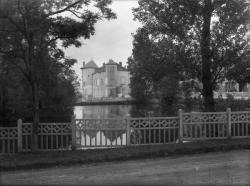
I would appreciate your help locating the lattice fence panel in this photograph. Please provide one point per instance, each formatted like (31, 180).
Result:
(8, 139)
(153, 130)
(205, 125)
(106, 132)
(51, 136)
(240, 124)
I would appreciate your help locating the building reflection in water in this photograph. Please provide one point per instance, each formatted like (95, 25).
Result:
(102, 137)
(102, 111)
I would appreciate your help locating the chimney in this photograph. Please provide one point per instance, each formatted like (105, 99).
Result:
(83, 64)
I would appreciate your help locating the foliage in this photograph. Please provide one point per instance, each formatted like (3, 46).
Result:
(169, 89)
(211, 34)
(13, 97)
(29, 31)
(154, 68)
(57, 92)
(240, 72)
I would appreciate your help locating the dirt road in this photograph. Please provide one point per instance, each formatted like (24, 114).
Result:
(227, 168)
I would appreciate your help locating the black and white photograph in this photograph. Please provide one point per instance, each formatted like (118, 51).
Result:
(125, 92)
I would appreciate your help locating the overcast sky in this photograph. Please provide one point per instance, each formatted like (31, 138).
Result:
(112, 39)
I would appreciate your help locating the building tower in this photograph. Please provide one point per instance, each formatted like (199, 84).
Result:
(111, 71)
(87, 80)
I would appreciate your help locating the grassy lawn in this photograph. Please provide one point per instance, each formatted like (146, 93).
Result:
(57, 158)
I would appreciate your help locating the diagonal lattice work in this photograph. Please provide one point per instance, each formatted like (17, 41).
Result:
(47, 128)
(26, 128)
(155, 130)
(240, 124)
(106, 132)
(50, 136)
(54, 128)
(155, 122)
(203, 125)
(8, 139)
(8, 132)
(126, 131)
(100, 124)
(203, 117)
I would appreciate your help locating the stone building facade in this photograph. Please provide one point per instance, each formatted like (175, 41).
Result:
(111, 80)
(236, 90)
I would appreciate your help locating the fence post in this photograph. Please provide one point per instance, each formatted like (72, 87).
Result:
(128, 132)
(229, 124)
(180, 115)
(19, 136)
(73, 129)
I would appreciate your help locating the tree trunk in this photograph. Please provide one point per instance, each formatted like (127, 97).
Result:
(3, 102)
(3, 93)
(206, 59)
(34, 91)
(35, 101)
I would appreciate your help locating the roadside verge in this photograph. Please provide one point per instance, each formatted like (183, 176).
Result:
(60, 158)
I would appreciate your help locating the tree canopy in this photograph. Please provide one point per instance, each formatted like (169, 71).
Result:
(210, 33)
(29, 35)
(152, 62)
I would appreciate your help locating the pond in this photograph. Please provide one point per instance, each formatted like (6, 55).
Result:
(117, 111)
(121, 111)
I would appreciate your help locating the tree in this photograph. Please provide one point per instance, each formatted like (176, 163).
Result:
(13, 97)
(240, 72)
(29, 30)
(212, 34)
(57, 93)
(153, 62)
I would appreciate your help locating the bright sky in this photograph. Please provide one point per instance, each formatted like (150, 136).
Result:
(112, 39)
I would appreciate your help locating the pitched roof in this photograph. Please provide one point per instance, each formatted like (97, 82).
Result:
(99, 70)
(91, 64)
(121, 68)
(111, 62)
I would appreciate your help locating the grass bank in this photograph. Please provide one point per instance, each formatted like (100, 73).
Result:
(59, 158)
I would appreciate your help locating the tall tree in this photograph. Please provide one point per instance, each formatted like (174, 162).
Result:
(212, 33)
(153, 62)
(29, 30)
(241, 71)
(57, 92)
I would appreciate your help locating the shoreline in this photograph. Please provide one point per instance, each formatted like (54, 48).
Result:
(107, 102)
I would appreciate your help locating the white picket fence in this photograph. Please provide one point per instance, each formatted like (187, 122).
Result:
(116, 132)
